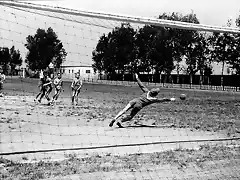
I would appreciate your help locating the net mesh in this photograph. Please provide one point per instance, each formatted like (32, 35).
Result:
(197, 139)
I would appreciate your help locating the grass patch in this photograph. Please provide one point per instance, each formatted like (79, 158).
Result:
(179, 158)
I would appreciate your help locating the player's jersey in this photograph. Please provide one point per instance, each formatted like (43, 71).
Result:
(145, 99)
(58, 83)
(44, 80)
(76, 83)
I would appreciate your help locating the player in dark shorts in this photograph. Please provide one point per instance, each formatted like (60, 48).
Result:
(58, 85)
(147, 98)
(44, 84)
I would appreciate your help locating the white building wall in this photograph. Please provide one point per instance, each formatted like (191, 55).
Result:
(86, 72)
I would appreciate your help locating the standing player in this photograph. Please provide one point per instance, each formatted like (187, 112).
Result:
(148, 97)
(58, 85)
(76, 87)
(2, 79)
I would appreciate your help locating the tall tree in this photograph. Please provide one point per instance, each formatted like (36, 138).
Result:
(154, 51)
(183, 41)
(99, 55)
(15, 59)
(116, 51)
(4, 58)
(43, 48)
(234, 60)
(223, 44)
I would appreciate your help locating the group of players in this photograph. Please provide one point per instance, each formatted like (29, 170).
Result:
(47, 82)
(148, 97)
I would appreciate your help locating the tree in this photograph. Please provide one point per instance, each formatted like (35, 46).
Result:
(10, 58)
(99, 54)
(203, 55)
(15, 59)
(4, 58)
(116, 51)
(234, 60)
(153, 51)
(183, 41)
(143, 43)
(43, 48)
(223, 44)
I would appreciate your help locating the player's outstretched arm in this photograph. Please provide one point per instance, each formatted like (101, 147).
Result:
(166, 99)
(143, 88)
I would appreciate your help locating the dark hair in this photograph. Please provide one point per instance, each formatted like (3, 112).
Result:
(154, 91)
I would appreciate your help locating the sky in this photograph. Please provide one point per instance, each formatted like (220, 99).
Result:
(80, 39)
(212, 12)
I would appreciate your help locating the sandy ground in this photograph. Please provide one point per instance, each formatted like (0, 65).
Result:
(28, 126)
(66, 132)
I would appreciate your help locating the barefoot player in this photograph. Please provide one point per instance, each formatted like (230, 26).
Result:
(148, 97)
(76, 87)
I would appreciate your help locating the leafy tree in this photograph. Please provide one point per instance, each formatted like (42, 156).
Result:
(4, 58)
(15, 59)
(234, 60)
(153, 50)
(99, 55)
(9, 59)
(183, 41)
(43, 48)
(116, 51)
(223, 44)
(143, 43)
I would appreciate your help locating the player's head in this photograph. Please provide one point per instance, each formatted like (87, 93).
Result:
(45, 73)
(154, 92)
(77, 75)
(59, 75)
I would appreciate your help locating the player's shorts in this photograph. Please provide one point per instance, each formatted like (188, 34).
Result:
(136, 104)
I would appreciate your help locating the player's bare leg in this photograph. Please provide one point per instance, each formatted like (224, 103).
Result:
(56, 95)
(129, 117)
(73, 96)
(47, 95)
(40, 92)
(76, 96)
(128, 106)
(42, 95)
(1, 87)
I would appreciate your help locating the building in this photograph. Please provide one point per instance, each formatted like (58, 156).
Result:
(86, 72)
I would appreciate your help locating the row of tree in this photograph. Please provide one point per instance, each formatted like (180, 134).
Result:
(160, 50)
(10, 59)
(43, 47)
